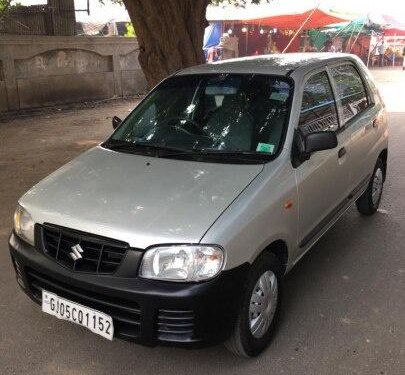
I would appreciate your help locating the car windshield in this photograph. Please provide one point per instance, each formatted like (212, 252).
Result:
(220, 115)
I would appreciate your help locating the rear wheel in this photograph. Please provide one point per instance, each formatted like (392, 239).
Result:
(369, 201)
(259, 309)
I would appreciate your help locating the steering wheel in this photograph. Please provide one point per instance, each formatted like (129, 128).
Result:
(181, 126)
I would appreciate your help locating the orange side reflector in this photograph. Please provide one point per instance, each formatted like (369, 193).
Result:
(288, 204)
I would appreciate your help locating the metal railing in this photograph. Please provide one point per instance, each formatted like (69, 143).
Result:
(38, 20)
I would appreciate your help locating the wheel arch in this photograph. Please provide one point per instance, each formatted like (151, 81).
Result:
(384, 158)
(280, 249)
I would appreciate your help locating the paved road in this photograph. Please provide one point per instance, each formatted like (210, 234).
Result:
(344, 304)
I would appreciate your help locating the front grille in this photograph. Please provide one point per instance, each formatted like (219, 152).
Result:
(96, 254)
(126, 314)
(175, 325)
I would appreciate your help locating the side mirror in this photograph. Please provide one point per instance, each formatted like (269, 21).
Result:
(116, 121)
(319, 141)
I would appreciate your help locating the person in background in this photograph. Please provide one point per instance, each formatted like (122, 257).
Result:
(234, 42)
(403, 59)
(274, 48)
(328, 45)
(228, 46)
(212, 54)
(381, 51)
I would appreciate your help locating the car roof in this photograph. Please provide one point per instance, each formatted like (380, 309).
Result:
(277, 64)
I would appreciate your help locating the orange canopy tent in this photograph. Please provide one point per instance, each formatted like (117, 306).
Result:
(280, 14)
(314, 18)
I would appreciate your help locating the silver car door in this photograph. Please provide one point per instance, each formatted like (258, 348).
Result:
(323, 179)
(359, 113)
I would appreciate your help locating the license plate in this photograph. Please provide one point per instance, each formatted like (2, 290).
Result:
(95, 321)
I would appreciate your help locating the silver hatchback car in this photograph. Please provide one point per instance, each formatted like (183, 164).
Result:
(179, 228)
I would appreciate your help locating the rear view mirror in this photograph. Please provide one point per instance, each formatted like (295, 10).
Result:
(319, 141)
(116, 121)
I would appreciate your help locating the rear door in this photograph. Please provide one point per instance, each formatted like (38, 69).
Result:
(360, 116)
(323, 180)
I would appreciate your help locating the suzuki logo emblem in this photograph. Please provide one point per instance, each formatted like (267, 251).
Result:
(76, 252)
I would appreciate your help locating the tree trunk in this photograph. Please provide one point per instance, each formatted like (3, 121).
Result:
(170, 34)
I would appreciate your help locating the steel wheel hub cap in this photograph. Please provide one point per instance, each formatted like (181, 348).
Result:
(263, 303)
(377, 186)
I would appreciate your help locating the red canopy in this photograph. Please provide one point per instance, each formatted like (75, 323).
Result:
(294, 21)
(394, 32)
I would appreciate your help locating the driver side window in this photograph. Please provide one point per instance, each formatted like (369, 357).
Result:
(318, 108)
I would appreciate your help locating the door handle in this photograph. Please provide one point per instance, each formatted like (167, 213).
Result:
(375, 124)
(341, 152)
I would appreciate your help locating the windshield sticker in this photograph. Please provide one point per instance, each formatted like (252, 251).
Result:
(265, 147)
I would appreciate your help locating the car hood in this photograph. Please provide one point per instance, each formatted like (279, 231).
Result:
(137, 199)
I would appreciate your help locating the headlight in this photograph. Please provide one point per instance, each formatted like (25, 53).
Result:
(182, 262)
(24, 225)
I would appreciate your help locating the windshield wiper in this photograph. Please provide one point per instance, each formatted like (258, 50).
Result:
(225, 154)
(173, 152)
(114, 144)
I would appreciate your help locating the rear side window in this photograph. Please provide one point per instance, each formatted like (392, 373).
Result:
(351, 93)
(318, 109)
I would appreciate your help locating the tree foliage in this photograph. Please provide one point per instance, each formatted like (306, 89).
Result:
(130, 31)
(4, 6)
(237, 2)
(214, 2)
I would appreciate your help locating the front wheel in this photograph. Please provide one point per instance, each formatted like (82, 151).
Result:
(369, 201)
(259, 308)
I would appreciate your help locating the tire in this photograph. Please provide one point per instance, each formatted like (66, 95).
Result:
(243, 342)
(367, 204)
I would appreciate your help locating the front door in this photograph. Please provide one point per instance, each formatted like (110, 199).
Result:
(323, 180)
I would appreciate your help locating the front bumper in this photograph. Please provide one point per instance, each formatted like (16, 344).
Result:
(148, 312)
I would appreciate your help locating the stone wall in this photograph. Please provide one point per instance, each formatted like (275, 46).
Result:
(38, 71)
